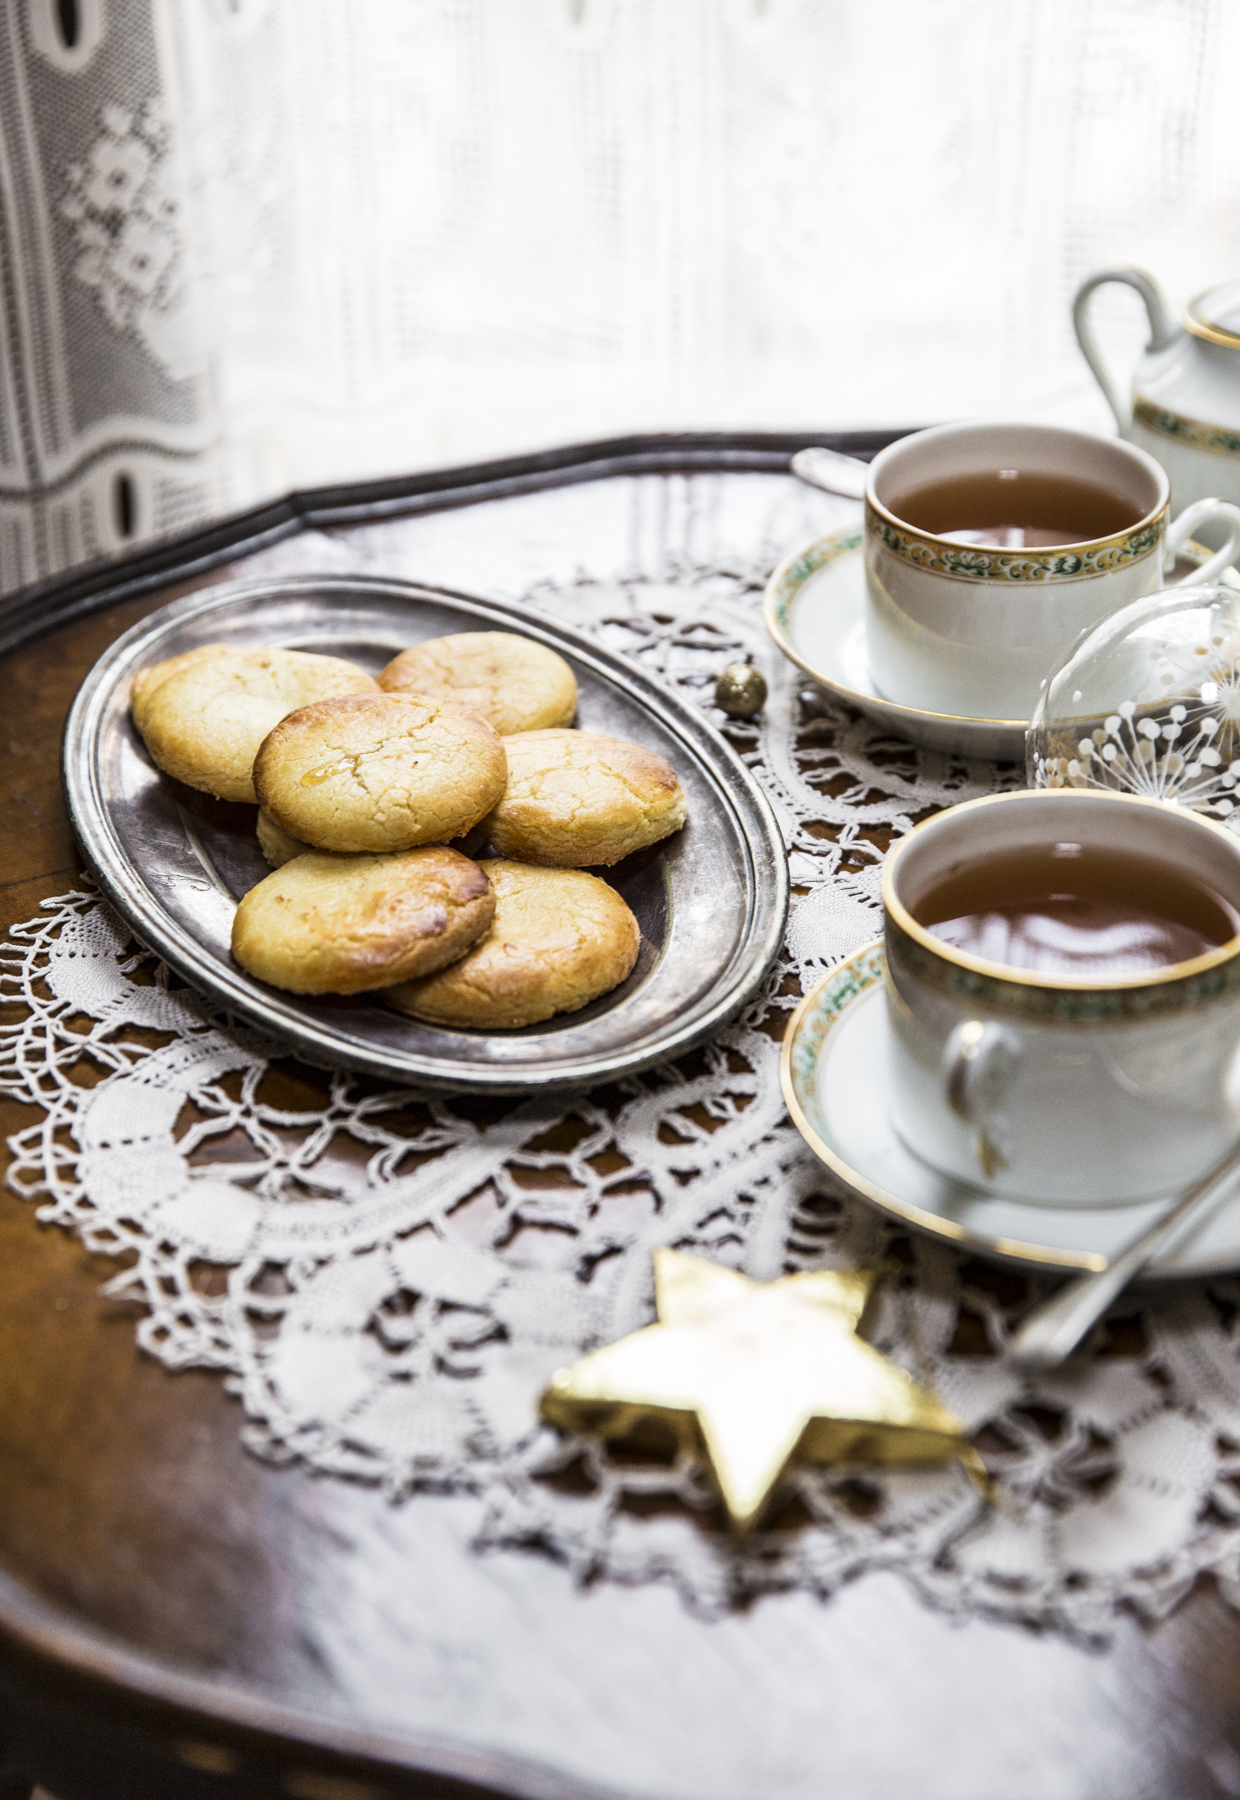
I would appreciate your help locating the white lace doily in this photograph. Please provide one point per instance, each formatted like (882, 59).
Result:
(388, 1281)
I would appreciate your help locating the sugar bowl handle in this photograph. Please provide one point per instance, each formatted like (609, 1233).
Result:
(1163, 328)
(1188, 523)
(979, 1061)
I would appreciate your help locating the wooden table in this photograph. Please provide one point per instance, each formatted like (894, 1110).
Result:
(177, 1617)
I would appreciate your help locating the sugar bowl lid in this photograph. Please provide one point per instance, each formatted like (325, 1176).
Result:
(1215, 315)
(1148, 702)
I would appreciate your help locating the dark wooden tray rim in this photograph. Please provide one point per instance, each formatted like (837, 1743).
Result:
(47, 604)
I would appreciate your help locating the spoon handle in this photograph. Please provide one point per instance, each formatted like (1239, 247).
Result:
(832, 470)
(1053, 1330)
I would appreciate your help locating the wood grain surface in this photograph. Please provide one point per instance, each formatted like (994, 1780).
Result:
(178, 1617)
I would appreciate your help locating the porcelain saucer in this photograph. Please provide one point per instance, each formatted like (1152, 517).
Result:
(835, 1080)
(815, 611)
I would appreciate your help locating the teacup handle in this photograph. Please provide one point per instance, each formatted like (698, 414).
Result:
(1198, 514)
(1163, 329)
(979, 1061)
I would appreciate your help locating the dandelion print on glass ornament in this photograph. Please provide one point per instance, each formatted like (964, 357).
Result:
(1148, 702)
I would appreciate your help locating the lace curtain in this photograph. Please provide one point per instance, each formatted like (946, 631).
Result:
(253, 244)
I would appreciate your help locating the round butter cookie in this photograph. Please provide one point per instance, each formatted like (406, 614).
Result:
(379, 772)
(510, 681)
(559, 939)
(347, 924)
(145, 683)
(575, 799)
(276, 845)
(204, 714)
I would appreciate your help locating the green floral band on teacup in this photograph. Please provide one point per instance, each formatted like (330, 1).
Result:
(1032, 999)
(970, 563)
(1190, 432)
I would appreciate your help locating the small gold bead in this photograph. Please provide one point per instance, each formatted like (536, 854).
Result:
(741, 691)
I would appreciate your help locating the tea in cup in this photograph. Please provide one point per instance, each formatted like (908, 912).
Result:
(989, 548)
(1064, 994)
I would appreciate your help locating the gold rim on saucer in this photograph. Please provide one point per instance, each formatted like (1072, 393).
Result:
(782, 590)
(808, 1030)
(1095, 1235)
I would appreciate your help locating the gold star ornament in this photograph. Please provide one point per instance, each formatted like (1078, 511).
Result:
(767, 1371)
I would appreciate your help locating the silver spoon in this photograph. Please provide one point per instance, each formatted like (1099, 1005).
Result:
(1053, 1330)
(831, 470)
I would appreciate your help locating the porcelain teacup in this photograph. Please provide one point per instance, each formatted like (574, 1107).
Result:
(970, 630)
(1071, 1089)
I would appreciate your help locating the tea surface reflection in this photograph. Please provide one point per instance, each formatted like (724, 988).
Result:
(1069, 909)
(1015, 509)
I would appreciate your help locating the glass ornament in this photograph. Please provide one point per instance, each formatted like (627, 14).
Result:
(1148, 702)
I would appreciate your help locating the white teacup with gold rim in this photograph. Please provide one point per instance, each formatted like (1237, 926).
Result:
(1063, 982)
(989, 548)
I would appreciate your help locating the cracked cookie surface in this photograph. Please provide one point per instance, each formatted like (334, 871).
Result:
(559, 939)
(326, 924)
(576, 799)
(379, 772)
(512, 682)
(203, 714)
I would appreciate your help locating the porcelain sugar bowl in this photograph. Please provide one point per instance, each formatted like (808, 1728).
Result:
(1186, 388)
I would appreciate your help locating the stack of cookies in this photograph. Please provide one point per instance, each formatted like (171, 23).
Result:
(366, 792)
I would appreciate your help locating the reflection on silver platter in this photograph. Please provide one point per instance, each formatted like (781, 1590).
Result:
(711, 901)
(815, 611)
(836, 1082)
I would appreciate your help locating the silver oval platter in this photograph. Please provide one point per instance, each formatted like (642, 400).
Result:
(711, 901)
